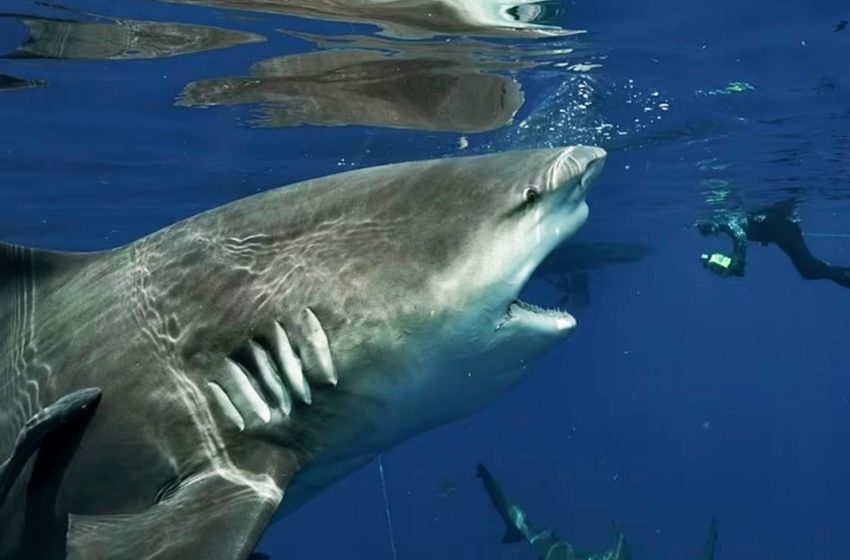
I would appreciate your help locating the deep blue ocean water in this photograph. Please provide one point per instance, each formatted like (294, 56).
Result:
(681, 397)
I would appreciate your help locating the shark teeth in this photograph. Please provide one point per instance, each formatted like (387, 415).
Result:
(562, 319)
(556, 313)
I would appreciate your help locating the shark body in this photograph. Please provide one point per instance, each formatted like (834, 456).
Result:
(264, 349)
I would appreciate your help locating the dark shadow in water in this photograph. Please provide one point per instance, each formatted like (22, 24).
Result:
(420, 18)
(112, 39)
(8, 82)
(419, 86)
(567, 268)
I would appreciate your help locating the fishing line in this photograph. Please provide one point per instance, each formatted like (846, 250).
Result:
(387, 506)
(838, 235)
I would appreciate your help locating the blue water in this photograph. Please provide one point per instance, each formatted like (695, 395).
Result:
(682, 397)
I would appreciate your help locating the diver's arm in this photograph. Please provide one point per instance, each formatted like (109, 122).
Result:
(737, 230)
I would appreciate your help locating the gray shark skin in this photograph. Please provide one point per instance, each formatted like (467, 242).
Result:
(544, 541)
(367, 87)
(121, 39)
(418, 18)
(268, 347)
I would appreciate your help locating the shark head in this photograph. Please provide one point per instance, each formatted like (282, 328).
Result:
(412, 271)
(422, 269)
(489, 223)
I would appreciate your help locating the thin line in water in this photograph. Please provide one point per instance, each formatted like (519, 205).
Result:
(839, 235)
(387, 506)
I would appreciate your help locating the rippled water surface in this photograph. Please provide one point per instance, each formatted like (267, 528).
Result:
(681, 398)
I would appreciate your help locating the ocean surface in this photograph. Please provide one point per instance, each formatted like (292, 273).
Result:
(681, 398)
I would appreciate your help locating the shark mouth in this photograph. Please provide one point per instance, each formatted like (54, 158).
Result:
(557, 321)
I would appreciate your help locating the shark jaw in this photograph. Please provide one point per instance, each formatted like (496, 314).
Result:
(534, 318)
(532, 315)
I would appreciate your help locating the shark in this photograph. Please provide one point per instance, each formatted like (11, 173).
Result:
(546, 544)
(173, 397)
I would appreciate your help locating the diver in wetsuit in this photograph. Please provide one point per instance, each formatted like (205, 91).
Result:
(547, 545)
(776, 224)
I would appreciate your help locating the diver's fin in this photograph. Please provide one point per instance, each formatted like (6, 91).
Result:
(71, 408)
(218, 515)
(259, 556)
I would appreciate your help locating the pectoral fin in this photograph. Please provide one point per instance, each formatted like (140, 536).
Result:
(216, 516)
(72, 408)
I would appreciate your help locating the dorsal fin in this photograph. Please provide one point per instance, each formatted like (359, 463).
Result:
(17, 260)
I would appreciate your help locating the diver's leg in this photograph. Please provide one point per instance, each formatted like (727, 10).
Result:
(789, 238)
(840, 275)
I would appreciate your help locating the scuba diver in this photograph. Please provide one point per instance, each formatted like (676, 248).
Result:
(544, 541)
(776, 224)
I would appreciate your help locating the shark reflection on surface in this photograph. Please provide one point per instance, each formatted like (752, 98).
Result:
(113, 39)
(408, 89)
(420, 18)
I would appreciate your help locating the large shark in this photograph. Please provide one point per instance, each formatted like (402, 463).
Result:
(266, 348)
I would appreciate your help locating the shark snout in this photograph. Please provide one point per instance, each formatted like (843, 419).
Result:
(577, 169)
(594, 159)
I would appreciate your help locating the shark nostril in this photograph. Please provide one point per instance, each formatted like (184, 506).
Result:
(593, 170)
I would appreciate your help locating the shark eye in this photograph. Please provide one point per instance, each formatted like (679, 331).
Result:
(531, 195)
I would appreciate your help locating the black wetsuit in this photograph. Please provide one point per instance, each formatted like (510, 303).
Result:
(776, 225)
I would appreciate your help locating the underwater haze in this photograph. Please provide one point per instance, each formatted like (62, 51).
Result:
(682, 396)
